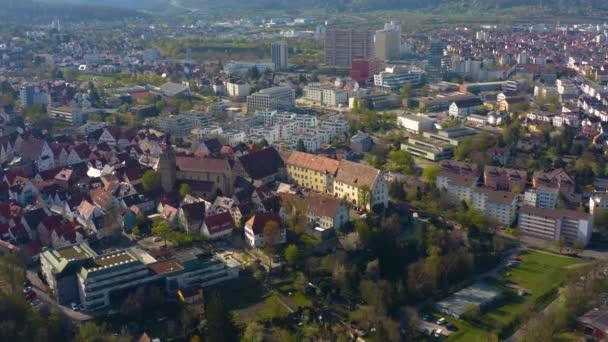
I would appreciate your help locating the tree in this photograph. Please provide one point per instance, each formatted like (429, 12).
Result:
(364, 196)
(292, 254)
(184, 190)
(578, 246)
(92, 332)
(560, 244)
(136, 231)
(150, 180)
(70, 74)
(471, 313)
(364, 232)
(220, 326)
(430, 174)
(406, 90)
(271, 236)
(162, 229)
(401, 161)
(300, 146)
(254, 332)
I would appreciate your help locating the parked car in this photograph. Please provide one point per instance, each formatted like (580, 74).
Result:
(451, 327)
(438, 333)
(74, 306)
(442, 321)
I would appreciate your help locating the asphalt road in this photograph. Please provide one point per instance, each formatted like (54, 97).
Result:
(41, 292)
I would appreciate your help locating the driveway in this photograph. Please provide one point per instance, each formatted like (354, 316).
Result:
(42, 294)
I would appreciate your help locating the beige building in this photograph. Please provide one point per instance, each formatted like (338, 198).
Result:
(353, 179)
(387, 44)
(343, 45)
(311, 171)
(552, 225)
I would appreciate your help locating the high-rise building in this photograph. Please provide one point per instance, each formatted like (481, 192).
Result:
(166, 169)
(32, 95)
(342, 46)
(435, 65)
(387, 43)
(362, 70)
(279, 54)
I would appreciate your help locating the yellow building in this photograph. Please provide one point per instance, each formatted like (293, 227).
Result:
(343, 179)
(312, 172)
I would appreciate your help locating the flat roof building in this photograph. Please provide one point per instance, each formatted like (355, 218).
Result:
(277, 98)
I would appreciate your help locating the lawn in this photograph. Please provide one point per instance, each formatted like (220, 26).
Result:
(540, 273)
(90, 77)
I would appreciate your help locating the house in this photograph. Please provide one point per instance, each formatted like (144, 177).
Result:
(360, 184)
(311, 171)
(229, 205)
(556, 179)
(509, 103)
(500, 178)
(464, 107)
(261, 167)
(254, 230)
(594, 324)
(325, 211)
(191, 217)
(218, 226)
(361, 143)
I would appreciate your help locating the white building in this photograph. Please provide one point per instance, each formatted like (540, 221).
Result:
(416, 123)
(459, 186)
(244, 67)
(499, 205)
(598, 201)
(238, 89)
(255, 226)
(395, 77)
(549, 224)
(352, 177)
(541, 197)
(278, 98)
(325, 95)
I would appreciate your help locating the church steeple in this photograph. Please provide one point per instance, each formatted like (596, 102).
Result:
(167, 168)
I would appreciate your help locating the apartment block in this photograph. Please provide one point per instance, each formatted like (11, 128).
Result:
(499, 205)
(278, 98)
(541, 197)
(505, 179)
(551, 225)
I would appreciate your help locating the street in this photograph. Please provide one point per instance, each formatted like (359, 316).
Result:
(41, 292)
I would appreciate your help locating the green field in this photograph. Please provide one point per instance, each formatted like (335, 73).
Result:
(92, 77)
(540, 273)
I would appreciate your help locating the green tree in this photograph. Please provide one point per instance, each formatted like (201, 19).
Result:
(364, 196)
(70, 74)
(136, 231)
(578, 246)
(364, 232)
(430, 174)
(184, 190)
(560, 244)
(150, 180)
(92, 332)
(401, 161)
(220, 326)
(292, 254)
(162, 229)
(254, 332)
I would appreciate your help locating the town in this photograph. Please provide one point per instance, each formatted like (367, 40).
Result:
(303, 179)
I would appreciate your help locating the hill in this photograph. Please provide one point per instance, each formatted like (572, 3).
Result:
(28, 12)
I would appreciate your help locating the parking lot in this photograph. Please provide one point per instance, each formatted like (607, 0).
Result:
(430, 327)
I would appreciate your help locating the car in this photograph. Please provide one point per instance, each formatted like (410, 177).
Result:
(441, 321)
(438, 333)
(74, 306)
(427, 318)
(30, 296)
(451, 327)
(36, 302)
(27, 283)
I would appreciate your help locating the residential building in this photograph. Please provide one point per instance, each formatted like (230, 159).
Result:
(465, 107)
(395, 77)
(452, 136)
(361, 143)
(174, 125)
(218, 226)
(598, 201)
(233, 68)
(73, 115)
(416, 123)
(387, 44)
(342, 46)
(461, 186)
(360, 184)
(326, 211)
(312, 172)
(325, 95)
(542, 197)
(594, 324)
(254, 230)
(499, 205)
(552, 225)
(278, 98)
(32, 95)
(504, 179)
(279, 54)
(238, 88)
(556, 179)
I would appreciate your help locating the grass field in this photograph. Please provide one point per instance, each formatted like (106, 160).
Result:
(91, 77)
(540, 273)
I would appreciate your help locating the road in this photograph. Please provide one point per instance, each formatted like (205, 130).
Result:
(41, 292)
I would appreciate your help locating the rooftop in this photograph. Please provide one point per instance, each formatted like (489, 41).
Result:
(113, 259)
(74, 252)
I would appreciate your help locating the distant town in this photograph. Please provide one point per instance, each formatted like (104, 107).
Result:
(301, 179)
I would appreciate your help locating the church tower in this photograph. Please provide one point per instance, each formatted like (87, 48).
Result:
(166, 169)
